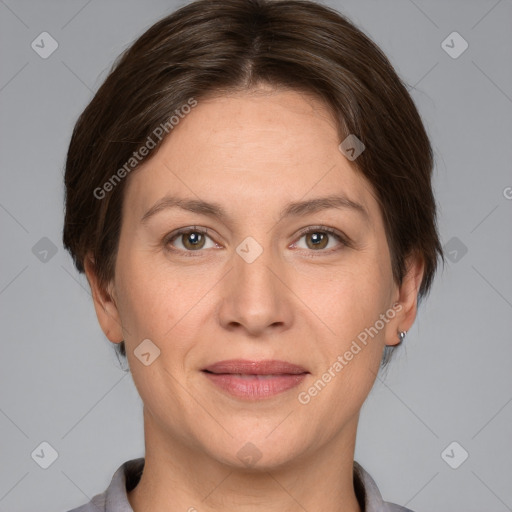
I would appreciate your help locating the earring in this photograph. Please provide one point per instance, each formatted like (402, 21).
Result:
(401, 336)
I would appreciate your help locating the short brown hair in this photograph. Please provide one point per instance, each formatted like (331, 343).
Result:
(219, 46)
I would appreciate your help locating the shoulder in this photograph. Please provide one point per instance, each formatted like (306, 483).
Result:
(114, 498)
(97, 504)
(370, 494)
(392, 507)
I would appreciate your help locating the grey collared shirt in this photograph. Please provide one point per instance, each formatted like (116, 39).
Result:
(127, 476)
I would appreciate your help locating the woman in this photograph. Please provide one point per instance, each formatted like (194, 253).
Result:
(249, 194)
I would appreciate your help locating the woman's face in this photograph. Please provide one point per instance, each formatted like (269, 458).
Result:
(254, 287)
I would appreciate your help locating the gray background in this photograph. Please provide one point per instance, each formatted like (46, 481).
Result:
(452, 381)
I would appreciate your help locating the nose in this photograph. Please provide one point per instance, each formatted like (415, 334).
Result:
(255, 297)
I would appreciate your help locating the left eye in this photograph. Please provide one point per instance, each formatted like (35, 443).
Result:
(319, 238)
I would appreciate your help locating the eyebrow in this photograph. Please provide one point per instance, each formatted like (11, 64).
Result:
(293, 209)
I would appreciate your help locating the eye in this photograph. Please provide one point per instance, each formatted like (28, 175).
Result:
(190, 239)
(318, 238)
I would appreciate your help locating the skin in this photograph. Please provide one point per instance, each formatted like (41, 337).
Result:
(252, 153)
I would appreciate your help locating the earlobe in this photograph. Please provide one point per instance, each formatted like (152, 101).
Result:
(104, 304)
(407, 302)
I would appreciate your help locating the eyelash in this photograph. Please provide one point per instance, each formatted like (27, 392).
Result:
(345, 242)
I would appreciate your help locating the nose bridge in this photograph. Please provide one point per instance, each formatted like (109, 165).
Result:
(255, 296)
(252, 263)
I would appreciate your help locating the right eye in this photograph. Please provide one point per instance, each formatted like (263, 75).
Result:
(191, 239)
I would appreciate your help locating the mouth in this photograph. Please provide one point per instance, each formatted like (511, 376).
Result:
(262, 368)
(254, 380)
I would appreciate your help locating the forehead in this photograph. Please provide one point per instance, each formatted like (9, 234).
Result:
(247, 148)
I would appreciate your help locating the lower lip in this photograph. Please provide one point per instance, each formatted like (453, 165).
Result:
(255, 387)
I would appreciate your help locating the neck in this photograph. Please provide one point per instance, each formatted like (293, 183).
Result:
(178, 476)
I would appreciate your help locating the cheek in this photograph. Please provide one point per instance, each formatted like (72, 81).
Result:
(159, 302)
(145, 304)
(350, 352)
(352, 299)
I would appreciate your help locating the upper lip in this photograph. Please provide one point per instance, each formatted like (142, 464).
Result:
(247, 367)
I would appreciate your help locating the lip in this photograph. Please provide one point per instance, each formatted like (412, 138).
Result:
(247, 367)
(255, 380)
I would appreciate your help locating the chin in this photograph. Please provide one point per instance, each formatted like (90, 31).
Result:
(257, 453)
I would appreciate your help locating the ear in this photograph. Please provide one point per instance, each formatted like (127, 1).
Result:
(406, 305)
(104, 304)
